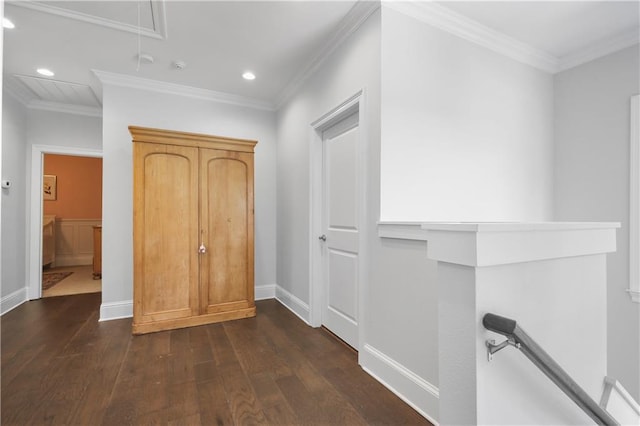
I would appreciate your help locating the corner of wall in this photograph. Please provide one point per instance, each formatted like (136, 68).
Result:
(267, 291)
(295, 305)
(116, 310)
(421, 395)
(13, 300)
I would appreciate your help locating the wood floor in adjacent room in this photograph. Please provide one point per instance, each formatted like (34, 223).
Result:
(61, 366)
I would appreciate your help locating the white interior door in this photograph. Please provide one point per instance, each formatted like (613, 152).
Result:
(341, 229)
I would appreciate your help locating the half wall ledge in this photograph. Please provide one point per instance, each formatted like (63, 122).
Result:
(550, 277)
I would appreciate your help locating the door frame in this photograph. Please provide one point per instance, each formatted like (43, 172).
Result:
(34, 237)
(356, 103)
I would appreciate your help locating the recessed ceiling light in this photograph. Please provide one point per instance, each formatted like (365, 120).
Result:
(249, 75)
(7, 23)
(45, 72)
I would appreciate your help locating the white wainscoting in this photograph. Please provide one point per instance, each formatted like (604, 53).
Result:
(74, 241)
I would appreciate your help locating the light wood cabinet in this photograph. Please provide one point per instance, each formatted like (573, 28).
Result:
(193, 229)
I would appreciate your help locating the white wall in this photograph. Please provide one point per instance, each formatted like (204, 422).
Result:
(23, 129)
(351, 68)
(400, 308)
(51, 130)
(467, 133)
(592, 183)
(125, 106)
(14, 161)
(65, 130)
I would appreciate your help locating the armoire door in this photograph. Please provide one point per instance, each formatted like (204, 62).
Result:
(226, 220)
(165, 235)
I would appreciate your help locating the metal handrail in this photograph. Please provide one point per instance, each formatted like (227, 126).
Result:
(517, 337)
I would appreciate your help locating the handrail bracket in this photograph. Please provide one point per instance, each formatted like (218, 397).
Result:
(492, 348)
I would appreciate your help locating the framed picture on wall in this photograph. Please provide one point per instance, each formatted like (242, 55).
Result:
(49, 187)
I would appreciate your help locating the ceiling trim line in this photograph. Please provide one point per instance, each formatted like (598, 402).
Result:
(65, 108)
(123, 80)
(157, 10)
(600, 49)
(22, 94)
(356, 16)
(459, 25)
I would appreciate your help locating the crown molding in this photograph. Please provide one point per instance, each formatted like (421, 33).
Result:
(356, 16)
(122, 80)
(157, 11)
(599, 49)
(26, 97)
(65, 108)
(468, 29)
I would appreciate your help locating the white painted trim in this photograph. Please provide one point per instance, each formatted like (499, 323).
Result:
(611, 384)
(598, 50)
(13, 300)
(122, 80)
(358, 14)
(491, 244)
(402, 230)
(65, 108)
(124, 309)
(345, 109)
(34, 237)
(634, 200)
(291, 302)
(417, 392)
(356, 102)
(1, 144)
(441, 17)
(459, 25)
(267, 291)
(116, 310)
(157, 7)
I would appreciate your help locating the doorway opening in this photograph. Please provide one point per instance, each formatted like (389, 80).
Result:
(71, 225)
(58, 241)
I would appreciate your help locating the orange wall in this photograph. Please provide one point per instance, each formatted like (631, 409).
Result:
(79, 186)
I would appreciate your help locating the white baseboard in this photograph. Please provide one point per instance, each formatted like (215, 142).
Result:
(263, 292)
(408, 386)
(116, 310)
(13, 300)
(124, 309)
(292, 303)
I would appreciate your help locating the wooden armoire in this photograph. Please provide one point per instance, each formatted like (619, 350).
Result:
(193, 229)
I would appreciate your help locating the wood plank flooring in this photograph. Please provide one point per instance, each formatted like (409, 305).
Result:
(61, 366)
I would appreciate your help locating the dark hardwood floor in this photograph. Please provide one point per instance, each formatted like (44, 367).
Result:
(61, 366)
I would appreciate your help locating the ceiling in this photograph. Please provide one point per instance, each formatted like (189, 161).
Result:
(279, 41)
(216, 40)
(560, 28)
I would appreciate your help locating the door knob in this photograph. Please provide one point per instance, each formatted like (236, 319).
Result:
(322, 237)
(202, 249)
